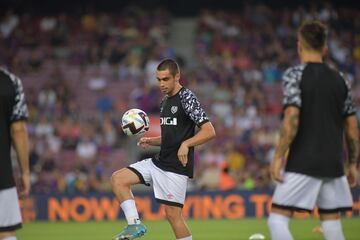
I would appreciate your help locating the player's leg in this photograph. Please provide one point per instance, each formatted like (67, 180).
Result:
(297, 192)
(278, 223)
(331, 226)
(8, 235)
(334, 196)
(121, 182)
(10, 216)
(177, 222)
(170, 190)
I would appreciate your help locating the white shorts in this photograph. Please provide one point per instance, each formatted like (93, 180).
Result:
(303, 193)
(169, 188)
(10, 216)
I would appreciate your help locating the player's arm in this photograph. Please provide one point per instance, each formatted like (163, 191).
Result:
(197, 114)
(20, 140)
(206, 133)
(352, 142)
(144, 142)
(19, 133)
(291, 80)
(154, 141)
(351, 135)
(288, 132)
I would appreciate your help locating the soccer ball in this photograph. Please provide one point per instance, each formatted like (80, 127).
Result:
(257, 236)
(134, 122)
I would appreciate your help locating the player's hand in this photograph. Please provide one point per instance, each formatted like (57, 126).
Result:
(144, 142)
(25, 184)
(275, 169)
(183, 154)
(352, 174)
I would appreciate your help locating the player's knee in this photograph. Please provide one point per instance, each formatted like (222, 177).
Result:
(276, 219)
(329, 216)
(8, 235)
(117, 179)
(270, 221)
(172, 214)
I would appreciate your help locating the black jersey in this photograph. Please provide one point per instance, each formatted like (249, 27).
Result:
(12, 108)
(179, 114)
(324, 99)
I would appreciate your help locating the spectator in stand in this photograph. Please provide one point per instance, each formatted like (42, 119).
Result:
(227, 182)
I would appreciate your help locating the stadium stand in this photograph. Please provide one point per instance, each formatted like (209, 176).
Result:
(81, 72)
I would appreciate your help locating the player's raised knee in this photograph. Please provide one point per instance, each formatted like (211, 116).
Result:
(118, 178)
(172, 213)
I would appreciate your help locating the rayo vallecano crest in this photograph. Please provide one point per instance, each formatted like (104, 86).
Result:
(174, 109)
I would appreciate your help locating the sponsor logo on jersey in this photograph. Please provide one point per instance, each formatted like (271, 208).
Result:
(170, 196)
(174, 109)
(168, 121)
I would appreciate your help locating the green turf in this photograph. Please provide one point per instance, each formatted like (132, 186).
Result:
(160, 230)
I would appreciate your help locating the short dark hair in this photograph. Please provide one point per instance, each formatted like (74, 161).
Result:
(314, 35)
(169, 64)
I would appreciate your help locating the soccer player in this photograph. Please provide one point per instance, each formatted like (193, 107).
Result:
(13, 113)
(168, 171)
(318, 110)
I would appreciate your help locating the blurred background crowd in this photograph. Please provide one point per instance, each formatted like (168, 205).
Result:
(82, 71)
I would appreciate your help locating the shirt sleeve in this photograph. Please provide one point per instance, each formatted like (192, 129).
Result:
(349, 105)
(193, 108)
(19, 109)
(291, 86)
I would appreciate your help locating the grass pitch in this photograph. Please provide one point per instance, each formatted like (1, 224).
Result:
(160, 230)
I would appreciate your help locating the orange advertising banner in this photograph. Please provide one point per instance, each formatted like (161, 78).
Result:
(98, 207)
